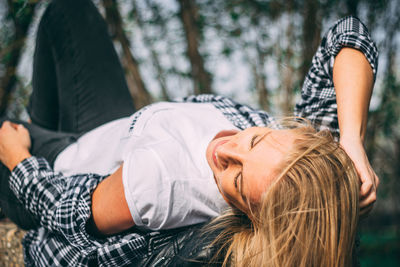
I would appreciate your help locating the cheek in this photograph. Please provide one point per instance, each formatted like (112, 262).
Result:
(221, 185)
(224, 186)
(227, 192)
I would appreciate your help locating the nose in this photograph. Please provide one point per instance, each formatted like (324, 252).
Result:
(230, 154)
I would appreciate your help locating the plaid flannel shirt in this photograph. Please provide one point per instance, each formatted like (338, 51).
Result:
(63, 203)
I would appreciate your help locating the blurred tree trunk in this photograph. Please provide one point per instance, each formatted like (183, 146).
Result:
(134, 79)
(263, 96)
(261, 80)
(259, 77)
(375, 117)
(21, 15)
(288, 71)
(287, 67)
(385, 117)
(352, 7)
(312, 22)
(170, 41)
(201, 78)
(383, 136)
(160, 73)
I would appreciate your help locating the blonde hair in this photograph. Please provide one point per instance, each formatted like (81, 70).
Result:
(307, 217)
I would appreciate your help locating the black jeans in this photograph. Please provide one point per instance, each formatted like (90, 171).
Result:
(78, 84)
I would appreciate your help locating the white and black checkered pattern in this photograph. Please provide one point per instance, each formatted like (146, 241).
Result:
(318, 97)
(63, 203)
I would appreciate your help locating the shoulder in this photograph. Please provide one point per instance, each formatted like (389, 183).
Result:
(240, 115)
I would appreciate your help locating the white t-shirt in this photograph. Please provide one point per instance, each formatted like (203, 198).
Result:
(167, 180)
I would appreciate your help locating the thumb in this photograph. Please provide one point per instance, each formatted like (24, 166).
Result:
(20, 127)
(7, 125)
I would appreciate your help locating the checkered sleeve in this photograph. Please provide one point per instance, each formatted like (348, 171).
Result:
(318, 97)
(61, 204)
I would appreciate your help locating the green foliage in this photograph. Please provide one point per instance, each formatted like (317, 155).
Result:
(18, 18)
(19, 100)
(380, 248)
(390, 108)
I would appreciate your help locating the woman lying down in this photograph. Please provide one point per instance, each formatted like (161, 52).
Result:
(282, 193)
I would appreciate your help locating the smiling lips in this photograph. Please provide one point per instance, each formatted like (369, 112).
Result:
(214, 154)
(220, 134)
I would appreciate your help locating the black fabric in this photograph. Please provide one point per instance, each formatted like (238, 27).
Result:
(182, 247)
(78, 82)
(10, 205)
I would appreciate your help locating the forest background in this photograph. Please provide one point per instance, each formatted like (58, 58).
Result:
(255, 51)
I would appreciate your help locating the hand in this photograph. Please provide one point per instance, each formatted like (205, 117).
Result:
(15, 143)
(369, 180)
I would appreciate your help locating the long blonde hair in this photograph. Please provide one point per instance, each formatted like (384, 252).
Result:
(307, 217)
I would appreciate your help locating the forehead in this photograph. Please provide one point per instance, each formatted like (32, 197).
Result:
(281, 140)
(262, 164)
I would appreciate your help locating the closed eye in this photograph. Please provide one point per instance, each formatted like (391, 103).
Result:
(236, 179)
(253, 139)
(238, 185)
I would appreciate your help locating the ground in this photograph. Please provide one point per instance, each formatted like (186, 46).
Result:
(10, 244)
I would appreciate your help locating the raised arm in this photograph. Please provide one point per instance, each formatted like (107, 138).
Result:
(353, 79)
(336, 94)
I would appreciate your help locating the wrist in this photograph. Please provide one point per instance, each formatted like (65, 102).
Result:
(351, 138)
(351, 144)
(16, 158)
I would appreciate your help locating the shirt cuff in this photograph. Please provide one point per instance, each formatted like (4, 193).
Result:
(20, 173)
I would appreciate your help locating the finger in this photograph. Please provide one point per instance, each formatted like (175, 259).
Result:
(23, 130)
(20, 127)
(377, 181)
(368, 200)
(366, 188)
(14, 125)
(6, 125)
(11, 124)
(365, 211)
(363, 173)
